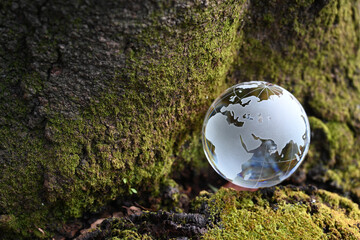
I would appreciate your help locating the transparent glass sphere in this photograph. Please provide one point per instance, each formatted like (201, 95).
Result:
(256, 134)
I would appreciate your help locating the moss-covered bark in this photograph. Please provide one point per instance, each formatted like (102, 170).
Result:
(97, 98)
(312, 48)
(274, 213)
(100, 99)
(284, 213)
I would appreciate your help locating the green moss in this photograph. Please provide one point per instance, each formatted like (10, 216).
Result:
(345, 150)
(273, 213)
(311, 48)
(335, 150)
(58, 167)
(119, 229)
(134, 130)
(282, 213)
(320, 149)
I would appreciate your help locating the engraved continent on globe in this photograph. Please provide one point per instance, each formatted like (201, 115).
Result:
(256, 134)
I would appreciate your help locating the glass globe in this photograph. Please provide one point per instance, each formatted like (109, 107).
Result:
(256, 134)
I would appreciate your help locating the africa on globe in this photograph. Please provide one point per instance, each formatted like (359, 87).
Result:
(256, 134)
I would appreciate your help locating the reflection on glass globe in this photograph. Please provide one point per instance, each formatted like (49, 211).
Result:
(256, 134)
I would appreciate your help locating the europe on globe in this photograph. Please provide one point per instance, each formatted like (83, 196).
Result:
(256, 134)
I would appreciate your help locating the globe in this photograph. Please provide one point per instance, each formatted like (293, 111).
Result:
(256, 134)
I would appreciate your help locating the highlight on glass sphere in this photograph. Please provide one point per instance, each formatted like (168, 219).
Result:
(256, 134)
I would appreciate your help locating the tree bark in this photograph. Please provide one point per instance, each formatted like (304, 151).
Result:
(105, 99)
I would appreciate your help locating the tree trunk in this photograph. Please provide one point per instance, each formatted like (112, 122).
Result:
(106, 99)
